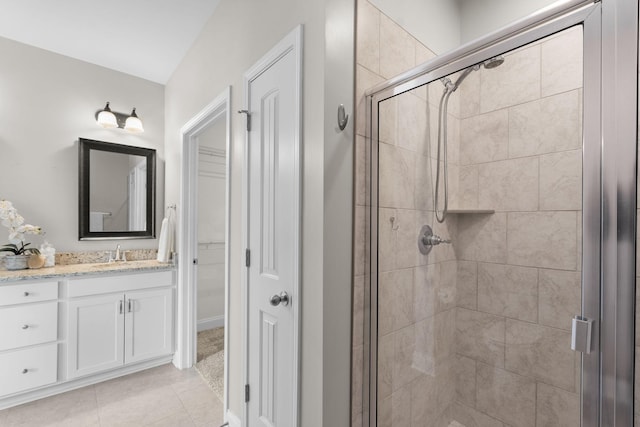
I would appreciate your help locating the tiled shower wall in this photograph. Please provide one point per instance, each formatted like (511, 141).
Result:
(504, 307)
(518, 278)
(416, 328)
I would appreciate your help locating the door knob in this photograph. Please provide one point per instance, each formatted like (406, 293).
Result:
(283, 299)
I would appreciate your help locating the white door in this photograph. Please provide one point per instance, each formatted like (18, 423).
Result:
(273, 235)
(96, 334)
(148, 324)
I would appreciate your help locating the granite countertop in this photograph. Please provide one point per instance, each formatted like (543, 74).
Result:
(74, 270)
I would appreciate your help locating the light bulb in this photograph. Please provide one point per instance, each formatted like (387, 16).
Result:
(106, 118)
(133, 123)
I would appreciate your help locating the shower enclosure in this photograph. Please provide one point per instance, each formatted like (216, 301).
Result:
(488, 235)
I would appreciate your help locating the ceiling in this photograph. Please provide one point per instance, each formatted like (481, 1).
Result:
(144, 38)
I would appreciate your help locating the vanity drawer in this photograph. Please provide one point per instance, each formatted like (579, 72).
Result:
(28, 324)
(28, 368)
(28, 292)
(119, 283)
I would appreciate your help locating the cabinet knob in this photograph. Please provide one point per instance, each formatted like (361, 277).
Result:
(25, 326)
(24, 371)
(26, 294)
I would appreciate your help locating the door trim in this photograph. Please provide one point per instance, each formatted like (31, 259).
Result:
(186, 327)
(291, 43)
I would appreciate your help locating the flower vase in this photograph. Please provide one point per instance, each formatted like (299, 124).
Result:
(16, 262)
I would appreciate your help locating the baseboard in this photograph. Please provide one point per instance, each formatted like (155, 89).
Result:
(233, 420)
(210, 323)
(72, 384)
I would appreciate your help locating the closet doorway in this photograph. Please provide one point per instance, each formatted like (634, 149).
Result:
(203, 300)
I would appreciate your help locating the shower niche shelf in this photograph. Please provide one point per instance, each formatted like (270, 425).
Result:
(471, 211)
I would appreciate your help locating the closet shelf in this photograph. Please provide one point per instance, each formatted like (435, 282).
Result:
(471, 211)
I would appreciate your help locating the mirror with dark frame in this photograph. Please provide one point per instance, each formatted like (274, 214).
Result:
(117, 191)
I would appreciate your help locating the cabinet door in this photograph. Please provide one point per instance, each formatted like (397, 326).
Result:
(148, 324)
(96, 338)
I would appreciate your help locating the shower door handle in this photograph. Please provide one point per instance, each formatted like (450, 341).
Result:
(581, 334)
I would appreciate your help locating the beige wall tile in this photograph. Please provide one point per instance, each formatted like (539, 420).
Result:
(480, 336)
(469, 417)
(365, 79)
(388, 121)
(396, 289)
(426, 280)
(509, 185)
(508, 290)
(387, 239)
(446, 288)
(508, 397)
(423, 400)
(465, 371)
(468, 188)
(482, 238)
(423, 54)
(484, 138)
(395, 410)
(561, 181)
(404, 351)
(425, 170)
(368, 36)
(542, 239)
(412, 121)
(397, 174)
(467, 285)
(397, 48)
(560, 297)
(385, 366)
(556, 407)
(540, 352)
(514, 82)
(562, 62)
(407, 253)
(469, 94)
(546, 125)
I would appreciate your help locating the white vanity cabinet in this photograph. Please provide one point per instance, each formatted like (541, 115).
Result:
(28, 336)
(117, 321)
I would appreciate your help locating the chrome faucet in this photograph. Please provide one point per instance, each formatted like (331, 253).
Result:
(119, 255)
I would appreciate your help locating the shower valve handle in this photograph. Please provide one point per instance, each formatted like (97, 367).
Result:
(434, 240)
(427, 240)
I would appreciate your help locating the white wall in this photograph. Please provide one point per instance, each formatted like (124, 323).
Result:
(48, 101)
(238, 34)
(480, 17)
(436, 23)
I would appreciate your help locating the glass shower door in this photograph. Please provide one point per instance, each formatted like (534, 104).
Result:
(472, 315)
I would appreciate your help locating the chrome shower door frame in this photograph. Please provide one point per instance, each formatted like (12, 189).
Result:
(609, 191)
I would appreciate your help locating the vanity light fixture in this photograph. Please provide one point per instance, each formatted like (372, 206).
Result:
(106, 118)
(133, 123)
(112, 119)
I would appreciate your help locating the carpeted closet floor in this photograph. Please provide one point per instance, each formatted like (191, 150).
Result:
(210, 359)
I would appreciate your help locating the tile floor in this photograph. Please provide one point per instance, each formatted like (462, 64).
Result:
(162, 396)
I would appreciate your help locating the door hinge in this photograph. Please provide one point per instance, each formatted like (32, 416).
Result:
(581, 334)
(247, 258)
(246, 392)
(248, 118)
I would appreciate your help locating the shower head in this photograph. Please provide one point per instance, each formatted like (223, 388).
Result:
(494, 62)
